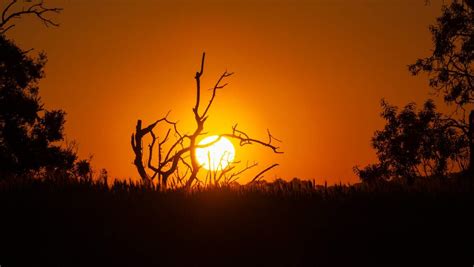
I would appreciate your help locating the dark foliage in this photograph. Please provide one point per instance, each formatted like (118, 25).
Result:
(450, 65)
(28, 132)
(424, 143)
(415, 144)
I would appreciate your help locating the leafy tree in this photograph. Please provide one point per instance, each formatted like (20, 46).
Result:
(414, 144)
(28, 133)
(426, 142)
(450, 66)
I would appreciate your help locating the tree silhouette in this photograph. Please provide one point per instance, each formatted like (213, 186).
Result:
(181, 152)
(450, 65)
(426, 143)
(28, 132)
(414, 144)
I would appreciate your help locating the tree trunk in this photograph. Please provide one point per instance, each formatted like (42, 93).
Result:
(137, 149)
(194, 162)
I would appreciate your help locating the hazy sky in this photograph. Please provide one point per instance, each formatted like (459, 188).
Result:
(313, 72)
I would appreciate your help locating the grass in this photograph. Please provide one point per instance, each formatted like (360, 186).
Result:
(74, 223)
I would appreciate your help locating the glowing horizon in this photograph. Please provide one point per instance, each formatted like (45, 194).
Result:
(313, 72)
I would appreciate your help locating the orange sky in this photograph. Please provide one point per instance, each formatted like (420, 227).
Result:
(313, 72)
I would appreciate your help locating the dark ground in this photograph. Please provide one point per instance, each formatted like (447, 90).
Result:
(81, 225)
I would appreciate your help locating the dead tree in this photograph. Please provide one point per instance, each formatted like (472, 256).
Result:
(14, 10)
(181, 152)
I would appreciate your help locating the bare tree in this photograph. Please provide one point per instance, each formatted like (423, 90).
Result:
(15, 10)
(181, 152)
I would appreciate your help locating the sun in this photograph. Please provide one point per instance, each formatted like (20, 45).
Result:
(216, 156)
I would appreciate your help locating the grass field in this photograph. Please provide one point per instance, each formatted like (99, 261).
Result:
(70, 223)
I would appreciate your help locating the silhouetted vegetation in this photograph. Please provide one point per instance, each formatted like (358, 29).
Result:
(415, 144)
(78, 223)
(28, 132)
(54, 212)
(30, 135)
(426, 142)
(450, 65)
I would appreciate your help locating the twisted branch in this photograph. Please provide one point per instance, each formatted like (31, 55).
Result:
(37, 9)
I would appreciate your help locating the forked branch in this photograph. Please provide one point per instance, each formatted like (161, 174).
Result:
(37, 9)
(245, 139)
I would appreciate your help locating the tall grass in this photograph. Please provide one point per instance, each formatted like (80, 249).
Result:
(69, 222)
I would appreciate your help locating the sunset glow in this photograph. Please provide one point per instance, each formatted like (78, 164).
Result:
(235, 133)
(216, 156)
(306, 70)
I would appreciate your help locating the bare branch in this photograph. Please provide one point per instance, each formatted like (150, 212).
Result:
(4, 13)
(246, 140)
(236, 175)
(180, 148)
(178, 142)
(151, 126)
(259, 175)
(225, 171)
(214, 90)
(187, 165)
(174, 160)
(37, 9)
(150, 154)
(166, 137)
(198, 88)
